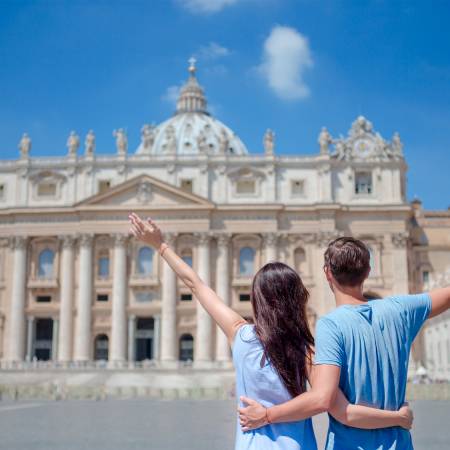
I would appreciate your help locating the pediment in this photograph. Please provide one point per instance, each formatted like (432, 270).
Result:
(143, 191)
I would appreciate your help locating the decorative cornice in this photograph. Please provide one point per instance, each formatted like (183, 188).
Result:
(170, 238)
(400, 240)
(223, 239)
(203, 238)
(5, 242)
(85, 240)
(120, 239)
(19, 242)
(270, 239)
(68, 241)
(325, 237)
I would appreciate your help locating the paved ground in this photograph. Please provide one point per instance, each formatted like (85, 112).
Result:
(160, 425)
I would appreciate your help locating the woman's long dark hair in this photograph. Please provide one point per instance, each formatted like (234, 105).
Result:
(279, 301)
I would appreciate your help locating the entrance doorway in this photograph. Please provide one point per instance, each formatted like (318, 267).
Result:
(101, 348)
(186, 347)
(43, 339)
(145, 329)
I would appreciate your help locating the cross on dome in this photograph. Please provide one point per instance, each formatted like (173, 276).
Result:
(192, 61)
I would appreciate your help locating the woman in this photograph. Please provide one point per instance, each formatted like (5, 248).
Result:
(272, 358)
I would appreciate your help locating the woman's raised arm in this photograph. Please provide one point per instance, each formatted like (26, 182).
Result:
(227, 319)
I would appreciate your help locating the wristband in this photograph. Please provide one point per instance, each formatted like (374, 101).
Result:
(267, 416)
(163, 248)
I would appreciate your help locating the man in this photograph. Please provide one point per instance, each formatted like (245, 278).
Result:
(363, 348)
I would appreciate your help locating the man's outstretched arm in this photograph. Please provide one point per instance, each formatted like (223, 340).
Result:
(319, 399)
(440, 301)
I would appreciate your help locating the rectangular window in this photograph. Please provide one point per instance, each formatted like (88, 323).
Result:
(186, 297)
(2, 191)
(246, 187)
(43, 299)
(103, 267)
(297, 188)
(425, 277)
(102, 297)
(186, 185)
(103, 186)
(144, 296)
(46, 189)
(244, 297)
(363, 183)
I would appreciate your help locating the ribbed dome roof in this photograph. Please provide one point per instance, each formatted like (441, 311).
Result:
(192, 130)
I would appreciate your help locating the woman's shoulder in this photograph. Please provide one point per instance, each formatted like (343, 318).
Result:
(246, 333)
(245, 336)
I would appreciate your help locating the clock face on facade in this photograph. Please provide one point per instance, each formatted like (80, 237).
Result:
(363, 148)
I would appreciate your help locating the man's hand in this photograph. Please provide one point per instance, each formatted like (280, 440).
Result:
(406, 417)
(252, 416)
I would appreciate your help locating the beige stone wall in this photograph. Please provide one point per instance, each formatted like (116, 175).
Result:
(297, 236)
(431, 269)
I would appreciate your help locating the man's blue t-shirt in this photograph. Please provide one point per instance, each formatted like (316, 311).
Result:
(371, 345)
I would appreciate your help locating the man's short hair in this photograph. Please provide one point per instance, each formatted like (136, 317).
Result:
(348, 259)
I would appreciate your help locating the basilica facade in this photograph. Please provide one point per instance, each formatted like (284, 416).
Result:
(75, 288)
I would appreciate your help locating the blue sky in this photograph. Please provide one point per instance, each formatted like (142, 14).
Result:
(77, 65)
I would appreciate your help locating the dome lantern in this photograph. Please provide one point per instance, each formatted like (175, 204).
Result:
(192, 97)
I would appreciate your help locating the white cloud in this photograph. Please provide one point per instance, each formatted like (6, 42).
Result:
(206, 6)
(171, 95)
(212, 51)
(286, 56)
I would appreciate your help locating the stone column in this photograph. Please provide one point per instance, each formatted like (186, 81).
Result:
(66, 299)
(270, 245)
(323, 300)
(223, 352)
(400, 263)
(119, 301)
(169, 311)
(157, 337)
(17, 323)
(55, 350)
(84, 304)
(131, 338)
(30, 338)
(203, 340)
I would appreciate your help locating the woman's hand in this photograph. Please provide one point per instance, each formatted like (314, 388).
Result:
(146, 231)
(406, 417)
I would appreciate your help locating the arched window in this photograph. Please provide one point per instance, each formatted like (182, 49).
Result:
(101, 348)
(246, 261)
(186, 347)
(103, 264)
(145, 261)
(300, 261)
(45, 263)
(187, 258)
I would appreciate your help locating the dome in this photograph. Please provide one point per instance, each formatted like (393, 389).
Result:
(192, 130)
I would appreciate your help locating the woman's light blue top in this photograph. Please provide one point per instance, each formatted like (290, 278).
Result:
(264, 385)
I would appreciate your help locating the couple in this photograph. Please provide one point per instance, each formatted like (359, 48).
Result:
(357, 369)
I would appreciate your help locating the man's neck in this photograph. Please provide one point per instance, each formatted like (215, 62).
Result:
(349, 295)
